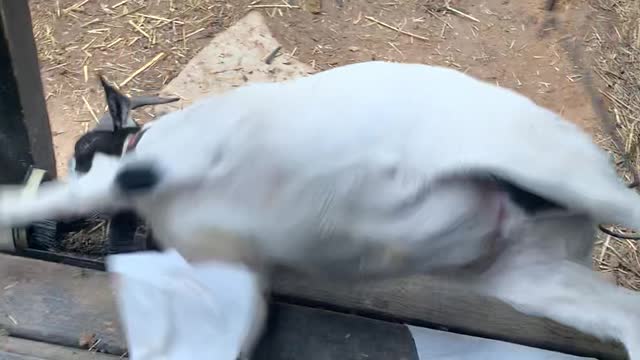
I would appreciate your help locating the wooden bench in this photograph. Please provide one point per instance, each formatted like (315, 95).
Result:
(62, 305)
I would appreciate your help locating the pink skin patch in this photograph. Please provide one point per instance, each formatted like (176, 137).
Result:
(500, 205)
(508, 214)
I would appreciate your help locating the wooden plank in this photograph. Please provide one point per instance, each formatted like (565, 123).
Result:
(426, 302)
(317, 334)
(56, 303)
(295, 332)
(59, 304)
(27, 349)
(10, 356)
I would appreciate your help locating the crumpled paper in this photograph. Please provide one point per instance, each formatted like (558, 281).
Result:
(172, 310)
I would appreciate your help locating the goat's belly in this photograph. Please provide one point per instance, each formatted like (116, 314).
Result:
(468, 243)
(335, 258)
(207, 243)
(378, 261)
(335, 226)
(341, 258)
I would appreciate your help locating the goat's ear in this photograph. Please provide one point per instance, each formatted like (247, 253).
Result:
(118, 103)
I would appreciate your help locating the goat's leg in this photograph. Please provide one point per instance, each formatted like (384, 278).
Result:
(122, 233)
(573, 295)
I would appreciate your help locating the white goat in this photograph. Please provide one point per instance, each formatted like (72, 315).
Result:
(376, 169)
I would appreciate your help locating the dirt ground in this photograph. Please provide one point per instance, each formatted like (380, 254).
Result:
(509, 42)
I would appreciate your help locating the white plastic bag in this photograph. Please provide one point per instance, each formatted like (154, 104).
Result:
(172, 310)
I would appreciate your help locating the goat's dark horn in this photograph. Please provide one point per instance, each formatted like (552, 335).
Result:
(138, 101)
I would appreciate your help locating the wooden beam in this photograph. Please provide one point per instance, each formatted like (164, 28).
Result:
(27, 349)
(9, 356)
(25, 133)
(56, 303)
(296, 332)
(426, 302)
(59, 304)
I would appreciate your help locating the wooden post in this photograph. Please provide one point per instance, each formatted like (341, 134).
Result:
(25, 133)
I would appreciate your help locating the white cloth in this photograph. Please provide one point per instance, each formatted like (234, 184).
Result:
(175, 311)
(442, 345)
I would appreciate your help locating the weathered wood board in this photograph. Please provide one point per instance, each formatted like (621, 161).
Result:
(11, 347)
(56, 303)
(10, 356)
(60, 304)
(295, 332)
(426, 302)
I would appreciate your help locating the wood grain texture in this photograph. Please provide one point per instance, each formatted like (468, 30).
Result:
(296, 332)
(27, 349)
(58, 304)
(426, 302)
(10, 356)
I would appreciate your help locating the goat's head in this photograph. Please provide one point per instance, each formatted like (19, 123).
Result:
(113, 129)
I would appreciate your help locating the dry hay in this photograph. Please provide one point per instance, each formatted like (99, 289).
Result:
(88, 239)
(615, 41)
(138, 45)
(122, 38)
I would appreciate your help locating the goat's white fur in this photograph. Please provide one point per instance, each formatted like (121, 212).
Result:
(320, 173)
